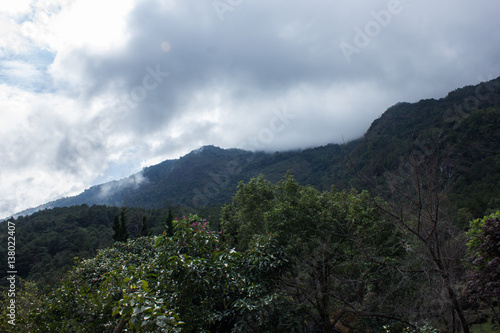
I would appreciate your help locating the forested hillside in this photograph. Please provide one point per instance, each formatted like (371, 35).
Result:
(49, 242)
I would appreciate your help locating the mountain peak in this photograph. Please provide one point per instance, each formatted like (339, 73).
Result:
(207, 148)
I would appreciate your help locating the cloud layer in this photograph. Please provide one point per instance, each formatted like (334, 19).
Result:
(93, 91)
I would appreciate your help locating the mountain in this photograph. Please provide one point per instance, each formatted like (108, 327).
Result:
(465, 126)
(466, 122)
(206, 176)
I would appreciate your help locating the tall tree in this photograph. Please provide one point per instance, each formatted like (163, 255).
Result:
(120, 226)
(170, 223)
(116, 228)
(144, 226)
(418, 205)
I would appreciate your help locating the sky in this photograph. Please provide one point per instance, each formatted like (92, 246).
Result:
(92, 91)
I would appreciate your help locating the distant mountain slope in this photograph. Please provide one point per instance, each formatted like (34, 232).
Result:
(206, 176)
(467, 119)
(466, 123)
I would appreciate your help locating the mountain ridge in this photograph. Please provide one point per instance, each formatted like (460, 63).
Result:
(209, 175)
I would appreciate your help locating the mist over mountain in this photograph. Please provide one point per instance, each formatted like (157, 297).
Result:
(466, 121)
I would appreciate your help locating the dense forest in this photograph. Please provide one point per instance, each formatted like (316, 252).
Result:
(395, 232)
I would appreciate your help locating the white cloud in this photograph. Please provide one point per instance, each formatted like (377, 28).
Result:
(133, 182)
(15, 8)
(94, 25)
(34, 127)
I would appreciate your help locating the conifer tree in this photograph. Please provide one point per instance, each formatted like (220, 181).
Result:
(120, 226)
(170, 226)
(144, 226)
(116, 228)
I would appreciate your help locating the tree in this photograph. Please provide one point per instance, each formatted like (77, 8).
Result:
(418, 205)
(244, 217)
(120, 226)
(144, 226)
(484, 255)
(342, 252)
(213, 287)
(169, 225)
(116, 228)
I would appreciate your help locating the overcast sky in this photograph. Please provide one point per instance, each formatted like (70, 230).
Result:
(95, 90)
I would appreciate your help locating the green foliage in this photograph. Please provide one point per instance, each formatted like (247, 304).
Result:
(484, 254)
(48, 241)
(252, 200)
(27, 299)
(476, 232)
(85, 298)
(342, 251)
(288, 258)
(214, 286)
(187, 282)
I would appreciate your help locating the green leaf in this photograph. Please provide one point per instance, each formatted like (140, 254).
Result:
(145, 286)
(126, 310)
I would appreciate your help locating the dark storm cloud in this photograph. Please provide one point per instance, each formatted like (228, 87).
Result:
(207, 52)
(418, 51)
